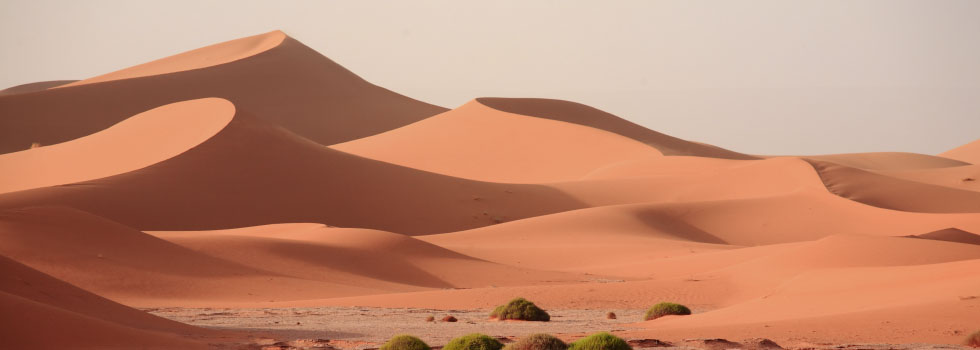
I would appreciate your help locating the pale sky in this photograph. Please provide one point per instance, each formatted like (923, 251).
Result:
(763, 77)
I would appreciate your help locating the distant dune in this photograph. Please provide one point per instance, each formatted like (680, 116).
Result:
(969, 153)
(257, 174)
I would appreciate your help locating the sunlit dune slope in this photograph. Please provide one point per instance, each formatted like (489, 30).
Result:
(137, 142)
(482, 143)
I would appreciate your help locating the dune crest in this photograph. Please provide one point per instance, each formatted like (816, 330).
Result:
(32, 87)
(204, 57)
(892, 193)
(140, 141)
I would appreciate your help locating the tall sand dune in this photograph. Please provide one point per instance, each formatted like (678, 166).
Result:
(577, 113)
(891, 193)
(969, 153)
(466, 142)
(144, 139)
(254, 173)
(272, 75)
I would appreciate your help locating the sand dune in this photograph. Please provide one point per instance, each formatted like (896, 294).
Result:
(354, 256)
(577, 113)
(32, 87)
(465, 142)
(41, 312)
(252, 173)
(587, 240)
(289, 84)
(687, 179)
(951, 235)
(892, 193)
(969, 153)
(800, 216)
(146, 138)
(889, 161)
(132, 267)
(898, 290)
(965, 177)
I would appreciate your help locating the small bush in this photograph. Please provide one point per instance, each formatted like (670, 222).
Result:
(664, 309)
(449, 318)
(600, 341)
(973, 340)
(475, 341)
(538, 341)
(430, 318)
(405, 342)
(611, 315)
(520, 309)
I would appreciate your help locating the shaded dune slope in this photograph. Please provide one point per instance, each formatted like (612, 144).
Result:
(950, 235)
(142, 140)
(289, 84)
(59, 315)
(576, 113)
(891, 193)
(317, 252)
(253, 173)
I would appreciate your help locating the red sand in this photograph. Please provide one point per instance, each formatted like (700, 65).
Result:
(258, 173)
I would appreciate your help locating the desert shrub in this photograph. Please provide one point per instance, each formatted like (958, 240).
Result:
(611, 315)
(538, 341)
(664, 309)
(520, 309)
(600, 341)
(475, 341)
(449, 318)
(973, 340)
(405, 342)
(430, 318)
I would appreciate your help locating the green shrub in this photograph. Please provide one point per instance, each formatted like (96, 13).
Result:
(475, 341)
(973, 340)
(664, 309)
(520, 309)
(538, 341)
(405, 342)
(600, 341)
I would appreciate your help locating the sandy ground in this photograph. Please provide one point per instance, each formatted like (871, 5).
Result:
(369, 327)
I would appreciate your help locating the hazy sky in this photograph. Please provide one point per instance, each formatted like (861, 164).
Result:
(788, 77)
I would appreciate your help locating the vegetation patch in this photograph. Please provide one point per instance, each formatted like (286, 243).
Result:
(520, 309)
(664, 309)
(475, 341)
(538, 341)
(405, 342)
(600, 341)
